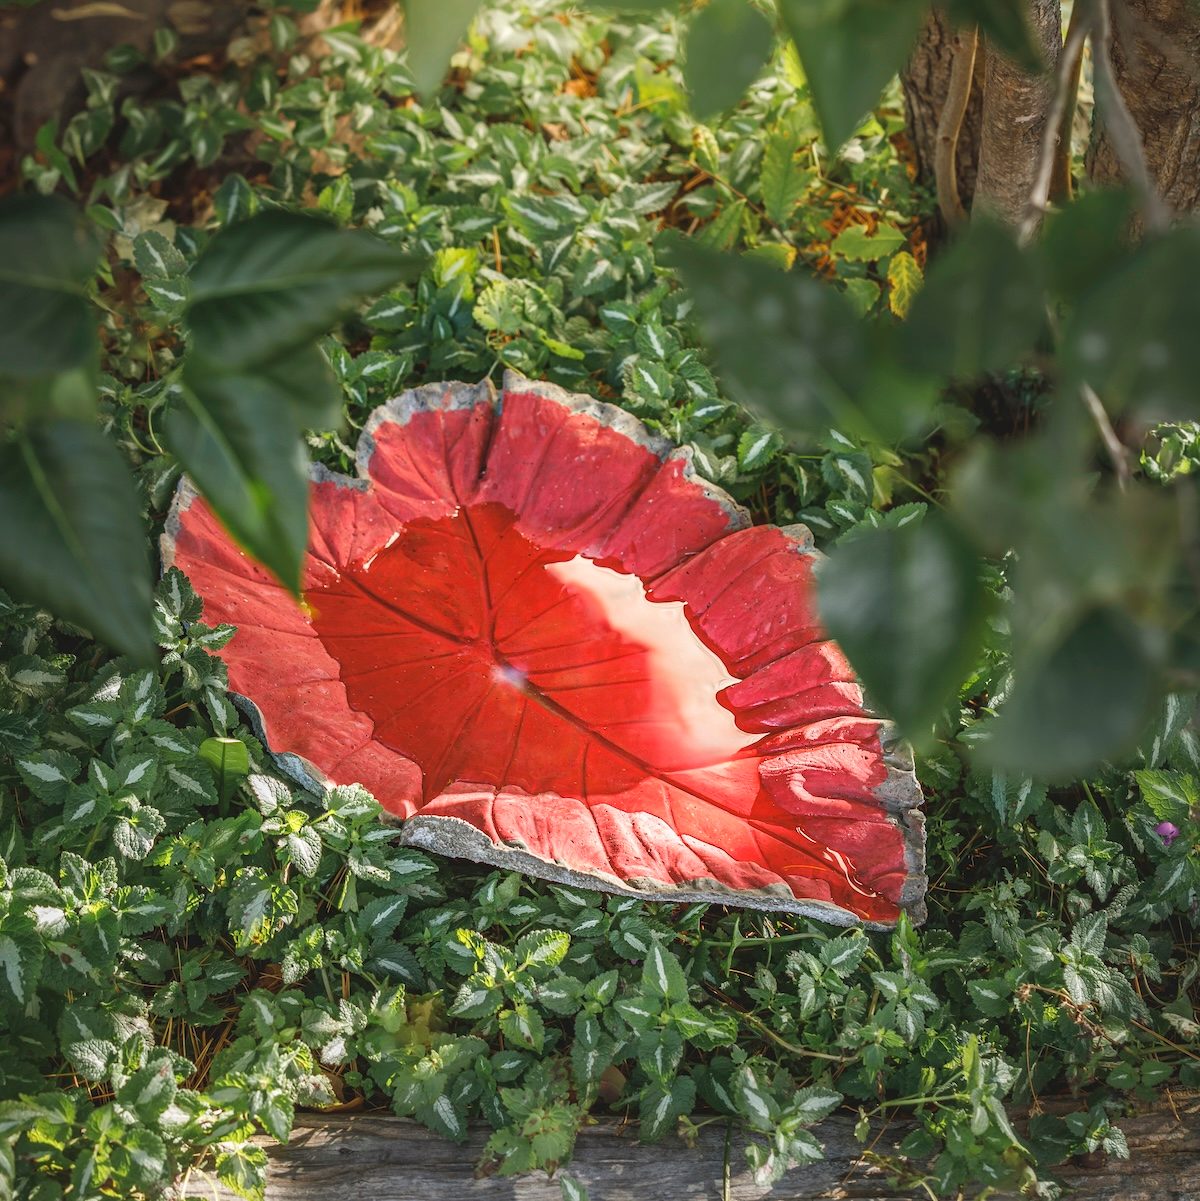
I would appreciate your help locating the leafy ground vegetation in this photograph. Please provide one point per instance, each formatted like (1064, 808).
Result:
(191, 949)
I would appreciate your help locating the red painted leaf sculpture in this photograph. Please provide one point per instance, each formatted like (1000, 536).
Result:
(532, 632)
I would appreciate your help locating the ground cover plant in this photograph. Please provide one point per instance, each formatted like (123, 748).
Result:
(190, 947)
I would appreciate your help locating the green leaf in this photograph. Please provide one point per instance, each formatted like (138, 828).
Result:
(904, 279)
(21, 954)
(783, 181)
(270, 284)
(1083, 700)
(1083, 244)
(238, 437)
(48, 254)
(434, 29)
(227, 757)
(72, 537)
(786, 345)
(1004, 24)
(660, 1106)
(572, 1188)
(1133, 337)
(523, 1026)
(754, 1101)
(850, 49)
(855, 244)
(662, 975)
(727, 46)
(981, 308)
(156, 257)
(813, 1104)
(1170, 795)
(542, 948)
(907, 606)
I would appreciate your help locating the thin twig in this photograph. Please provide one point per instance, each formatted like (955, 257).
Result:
(1117, 451)
(1120, 125)
(958, 95)
(1040, 195)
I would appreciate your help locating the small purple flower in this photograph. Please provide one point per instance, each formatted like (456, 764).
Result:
(1167, 831)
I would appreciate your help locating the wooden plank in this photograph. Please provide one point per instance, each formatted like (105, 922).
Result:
(377, 1157)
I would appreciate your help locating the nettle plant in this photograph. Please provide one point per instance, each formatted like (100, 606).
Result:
(192, 948)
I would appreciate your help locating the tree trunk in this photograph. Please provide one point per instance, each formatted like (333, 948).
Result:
(1014, 119)
(926, 81)
(1156, 60)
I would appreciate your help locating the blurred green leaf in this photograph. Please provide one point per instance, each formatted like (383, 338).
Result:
(980, 309)
(787, 345)
(237, 435)
(1133, 336)
(1085, 242)
(434, 30)
(727, 46)
(275, 281)
(72, 537)
(1005, 25)
(908, 608)
(48, 253)
(850, 49)
(1081, 701)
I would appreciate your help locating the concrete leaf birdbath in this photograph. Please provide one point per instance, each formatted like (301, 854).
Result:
(537, 637)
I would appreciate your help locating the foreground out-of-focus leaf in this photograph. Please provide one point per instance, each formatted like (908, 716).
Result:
(1085, 242)
(1005, 25)
(728, 45)
(434, 29)
(47, 255)
(237, 436)
(850, 49)
(277, 280)
(1081, 701)
(72, 537)
(981, 307)
(788, 345)
(908, 607)
(1133, 337)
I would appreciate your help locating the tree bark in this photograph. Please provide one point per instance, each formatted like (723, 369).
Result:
(926, 82)
(1014, 119)
(1156, 61)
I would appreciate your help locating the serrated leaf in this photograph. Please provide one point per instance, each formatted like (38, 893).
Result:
(904, 282)
(855, 244)
(542, 948)
(156, 257)
(783, 181)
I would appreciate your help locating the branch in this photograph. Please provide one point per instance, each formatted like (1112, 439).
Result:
(1072, 50)
(958, 94)
(1119, 122)
(1060, 176)
(1117, 450)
